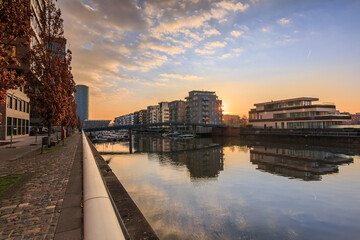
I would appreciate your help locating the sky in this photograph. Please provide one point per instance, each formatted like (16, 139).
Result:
(136, 53)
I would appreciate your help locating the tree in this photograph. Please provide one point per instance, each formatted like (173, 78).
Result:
(15, 30)
(50, 85)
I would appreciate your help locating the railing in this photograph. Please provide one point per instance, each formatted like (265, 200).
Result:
(101, 220)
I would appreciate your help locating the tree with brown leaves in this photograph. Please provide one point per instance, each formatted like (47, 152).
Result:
(50, 83)
(15, 30)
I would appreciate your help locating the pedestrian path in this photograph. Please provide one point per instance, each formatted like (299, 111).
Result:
(31, 208)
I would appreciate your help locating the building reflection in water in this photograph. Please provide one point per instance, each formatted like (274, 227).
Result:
(304, 164)
(202, 157)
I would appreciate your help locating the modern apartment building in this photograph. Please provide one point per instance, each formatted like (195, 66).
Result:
(163, 111)
(203, 107)
(177, 111)
(295, 113)
(15, 114)
(127, 119)
(82, 102)
(153, 113)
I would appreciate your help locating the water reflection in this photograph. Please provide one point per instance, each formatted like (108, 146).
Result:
(305, 164)
(222, 189)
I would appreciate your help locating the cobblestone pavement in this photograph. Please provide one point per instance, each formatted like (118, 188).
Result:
(31, 208)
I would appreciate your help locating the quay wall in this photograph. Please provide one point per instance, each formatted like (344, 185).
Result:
(327, 135)
(135, 223)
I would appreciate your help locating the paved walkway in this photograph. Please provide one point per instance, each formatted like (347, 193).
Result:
(31, 208)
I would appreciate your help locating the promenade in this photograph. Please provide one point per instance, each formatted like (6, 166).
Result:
(46, 202)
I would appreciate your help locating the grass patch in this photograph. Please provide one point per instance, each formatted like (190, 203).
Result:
(8, 181)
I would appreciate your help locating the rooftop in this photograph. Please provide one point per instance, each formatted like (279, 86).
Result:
(289, 100)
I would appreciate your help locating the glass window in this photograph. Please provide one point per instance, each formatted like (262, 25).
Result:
(9, 123)
(14, 125)
(23, 127)
(27, 127)
(19, 127)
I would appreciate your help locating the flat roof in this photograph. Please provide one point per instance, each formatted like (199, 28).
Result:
(288, 100)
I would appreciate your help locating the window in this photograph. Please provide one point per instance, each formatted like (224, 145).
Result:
(19, 127)
(23, 127)
(9, 101)
(14, 125)
(16, 104)
(20, 105)
(9, 123)
(27, 127)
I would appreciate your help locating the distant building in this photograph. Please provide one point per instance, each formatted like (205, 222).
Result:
(143, 116)
(203, 107)
(127, 119)
(95, 123)
(82, 102)
(163, 111)
(295, 113)
(177, 111)
(355, 119)
(153, 113)
(231, 120)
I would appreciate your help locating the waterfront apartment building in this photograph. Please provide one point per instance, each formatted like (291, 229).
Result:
(177, 111)
(153, 113)
(203, 107)
(127, 119)
(140, 117)
(82, 102)
(295, 113)
(163, 111)
(15, 114)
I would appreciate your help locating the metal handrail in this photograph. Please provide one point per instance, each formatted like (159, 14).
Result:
(100, 220)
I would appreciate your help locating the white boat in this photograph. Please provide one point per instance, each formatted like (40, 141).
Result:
(186, 136)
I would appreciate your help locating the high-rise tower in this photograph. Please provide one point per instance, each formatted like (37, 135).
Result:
(82, 102)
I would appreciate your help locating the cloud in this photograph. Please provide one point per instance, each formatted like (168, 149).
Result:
(231, 6)
(225, 55)
(236, 33)
(238, 50)
(211, 32)
(203, 51)
(182, 77)
(216, 44)
(266, 29)
(284, 21)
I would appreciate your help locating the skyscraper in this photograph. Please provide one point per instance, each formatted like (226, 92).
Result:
(82, 102)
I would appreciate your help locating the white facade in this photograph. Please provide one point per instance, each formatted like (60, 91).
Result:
(295, 113)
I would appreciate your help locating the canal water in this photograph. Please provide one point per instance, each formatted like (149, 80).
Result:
(228, 188)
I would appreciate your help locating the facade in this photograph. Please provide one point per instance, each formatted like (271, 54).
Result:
(82, 102)
(295, 113)
(143, 116)
(231, 120)
(15, 114)
(153, 113)
(127, 119)
(177, 111)
(203, 107)
(95, 123)
(163, 111)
